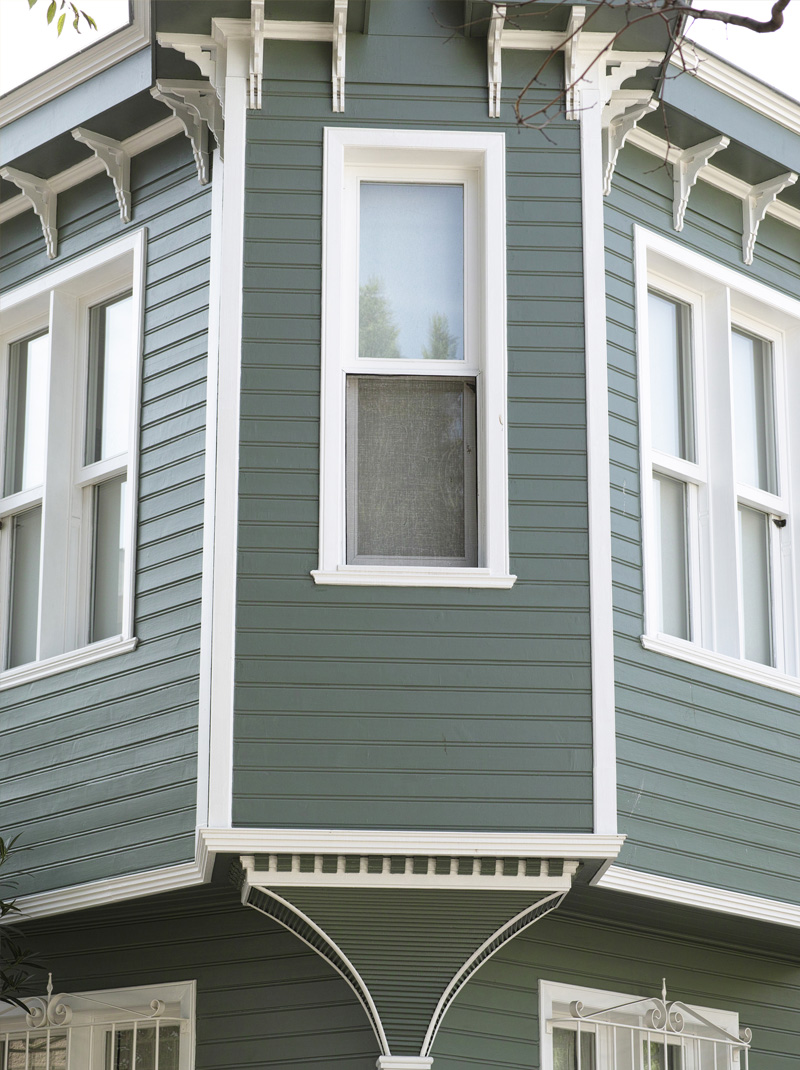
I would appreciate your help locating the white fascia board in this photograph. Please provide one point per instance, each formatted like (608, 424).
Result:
(757, 96)
(701, 896)
(80, 172)
(79, 68)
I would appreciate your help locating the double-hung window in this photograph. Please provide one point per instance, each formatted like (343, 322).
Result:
(718, 365)
(591, 1029)
(413, 413)
(69, 398)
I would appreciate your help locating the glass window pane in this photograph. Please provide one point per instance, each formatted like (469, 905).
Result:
(670, 377)
(411, 472)
(36, 1053)
(110, 374)
(122, 1059)
(654, 1056)
(27, 414)
(565, 1050)
(24, 610)
(411, 271)
(754, 412)
(670, 513)
(109, 559)
(756, 594)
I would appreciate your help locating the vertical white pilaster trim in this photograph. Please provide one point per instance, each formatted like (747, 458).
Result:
(210, 493)
(226, 480)
(597, 461)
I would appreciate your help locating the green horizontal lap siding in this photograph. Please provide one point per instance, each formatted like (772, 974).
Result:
(98, 765)
(494, 1020)
(410, 707)
(264, 999)
(706, 762)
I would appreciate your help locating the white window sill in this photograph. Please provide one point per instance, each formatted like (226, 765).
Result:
(36, 670)
(709, 659)
(368, 576)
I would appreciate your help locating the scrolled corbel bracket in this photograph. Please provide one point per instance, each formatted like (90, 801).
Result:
(685, 170)
(117, 164)
(256, 52)
(572, 71)
(207, 54)
(621, 119)
(338, 53)
(44, 201)
(193, 125)
(203, 100)
(494, 58)
(754, 208)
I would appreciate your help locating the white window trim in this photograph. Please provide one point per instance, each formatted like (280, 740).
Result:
(707, 286)
(79, 283)
(554, 995)
(91, 60)
(429, 150)
(83, 1016)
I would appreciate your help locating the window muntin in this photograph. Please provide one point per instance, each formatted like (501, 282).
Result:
(451, 327)
(70, 507)
(741, 585)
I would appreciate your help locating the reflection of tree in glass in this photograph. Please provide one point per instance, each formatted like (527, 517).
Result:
(441, 343)
(377, 331)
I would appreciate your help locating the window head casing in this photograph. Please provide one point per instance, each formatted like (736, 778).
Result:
(718, 362)
(413, 469)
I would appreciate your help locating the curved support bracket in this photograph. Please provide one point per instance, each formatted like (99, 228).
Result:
(274, 906)
(488, 948)
(754, 208)
(494, 57)
(43, 199)
(617, 130)
(207, 54)
(117, 164)
(193, 126)
(337, 62)
(572, 71)
(685, 169)
(620, 66)
(202, 99)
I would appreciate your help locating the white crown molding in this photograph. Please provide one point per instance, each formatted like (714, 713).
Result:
(79, 68)
(702, 896)
(80, 172)
(755, 95)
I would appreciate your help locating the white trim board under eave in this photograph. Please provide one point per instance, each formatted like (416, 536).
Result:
(700, 896)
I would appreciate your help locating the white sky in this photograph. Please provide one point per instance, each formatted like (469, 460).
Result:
(28, 45)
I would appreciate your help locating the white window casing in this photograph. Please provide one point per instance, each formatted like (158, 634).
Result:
(77, 490)
(731, 583)
(150, 1026)
(624, 1031)
(475, 161)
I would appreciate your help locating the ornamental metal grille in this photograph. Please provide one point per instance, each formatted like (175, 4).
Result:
(650, 1033)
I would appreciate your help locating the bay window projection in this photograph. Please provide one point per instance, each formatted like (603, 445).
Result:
(718, 361)
(413, 453)
(70, 390)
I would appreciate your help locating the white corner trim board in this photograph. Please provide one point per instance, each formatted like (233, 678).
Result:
(702, 896)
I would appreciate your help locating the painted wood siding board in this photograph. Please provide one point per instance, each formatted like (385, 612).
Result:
(707, 783)
(115, 742)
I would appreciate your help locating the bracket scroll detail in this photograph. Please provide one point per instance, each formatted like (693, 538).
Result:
(494, 58)
(197, 107)
(754, 208)
(621, 117)
(685, 169)
(117, 164)
(44, 201)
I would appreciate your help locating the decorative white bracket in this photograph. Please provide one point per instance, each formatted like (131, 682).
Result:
(494, 58)
(754, 208)
(685, 169)
(620, 118)
(256, 52)
(339, 43)
(43, 200)
(208, 55)
(194, 124)
(202, 98)
(572, 71)
(116, 162)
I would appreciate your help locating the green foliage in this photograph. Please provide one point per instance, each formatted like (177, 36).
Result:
(77, 14)
(377, 331)
(442, 344)
(16, 964)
